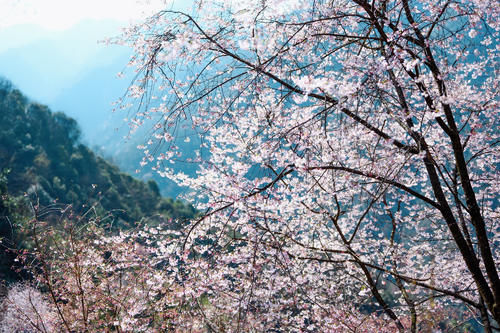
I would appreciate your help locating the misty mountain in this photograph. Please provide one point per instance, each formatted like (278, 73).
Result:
(68, 70)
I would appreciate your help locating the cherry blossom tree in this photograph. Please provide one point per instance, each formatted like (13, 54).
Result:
(26, 309)
(87, 279)
(348, 168)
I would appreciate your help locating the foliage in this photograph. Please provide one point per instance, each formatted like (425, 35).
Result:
(350, 156)
(12, 209)
(137, 281)
(48, 162)
(101, 282)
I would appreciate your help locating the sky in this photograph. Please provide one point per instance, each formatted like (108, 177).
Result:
(62, 14)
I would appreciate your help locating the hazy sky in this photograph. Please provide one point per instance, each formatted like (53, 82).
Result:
(62, 14)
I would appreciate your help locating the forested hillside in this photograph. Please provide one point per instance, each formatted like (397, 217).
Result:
(42, 161)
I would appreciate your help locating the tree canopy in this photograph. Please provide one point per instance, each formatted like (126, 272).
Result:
(46, 160)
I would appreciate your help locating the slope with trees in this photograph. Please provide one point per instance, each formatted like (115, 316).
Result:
(44, 157)
(42, 163)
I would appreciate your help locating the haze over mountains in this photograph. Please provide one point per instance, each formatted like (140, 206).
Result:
(70, 71)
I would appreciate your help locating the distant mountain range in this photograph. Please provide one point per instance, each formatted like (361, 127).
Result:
(67, 70)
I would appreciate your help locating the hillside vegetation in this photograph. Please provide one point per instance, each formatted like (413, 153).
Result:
(43, 162)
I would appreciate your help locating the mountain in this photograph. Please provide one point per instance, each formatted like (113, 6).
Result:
(46, 160)
(43, 163)
(55, 67)
(70, 71)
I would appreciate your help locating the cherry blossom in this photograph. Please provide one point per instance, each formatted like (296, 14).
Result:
(348, 160)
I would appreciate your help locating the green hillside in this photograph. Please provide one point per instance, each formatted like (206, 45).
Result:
(41, 157)
(42, 161)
